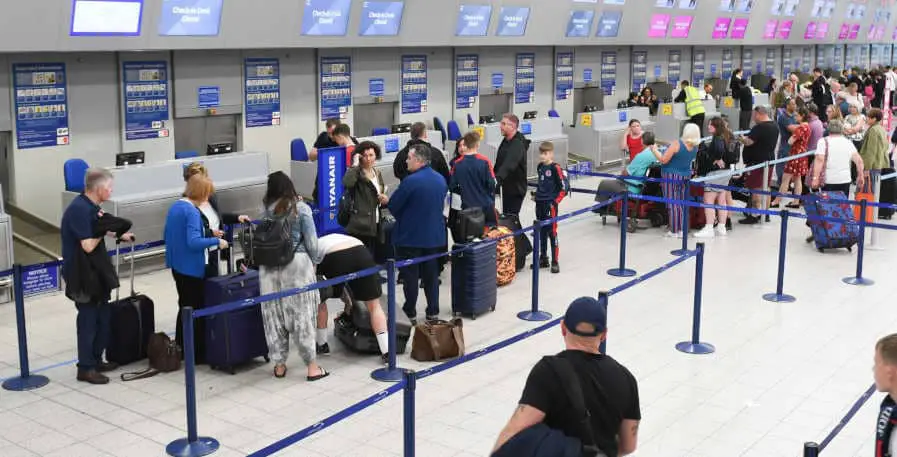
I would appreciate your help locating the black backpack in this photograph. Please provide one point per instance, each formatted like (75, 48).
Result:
(272, 241)
(346, 208)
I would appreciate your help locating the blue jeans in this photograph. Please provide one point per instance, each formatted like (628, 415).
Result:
(427, 272)
(784, 151)
(93, 333)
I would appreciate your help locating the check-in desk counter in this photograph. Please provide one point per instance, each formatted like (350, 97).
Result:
(672, 117)
(537, 131)
(144, 193)
(597, 135)
(303, 173)
(730, 107)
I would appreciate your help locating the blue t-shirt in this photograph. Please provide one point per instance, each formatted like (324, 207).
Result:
(784, 121)
(639, 167)
(78, 223)
(680, 163)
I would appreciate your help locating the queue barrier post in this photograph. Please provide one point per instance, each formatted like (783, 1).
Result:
(410, 378)
(193, 445)
(685, 219)
(622, 271)
(534, 315)
(25, 380)
(858, 279)
(695, 346)
(390, 373)
(603, 300)
(811, 450)
(779, 296)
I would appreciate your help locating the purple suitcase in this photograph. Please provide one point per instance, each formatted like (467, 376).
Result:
(236, 337)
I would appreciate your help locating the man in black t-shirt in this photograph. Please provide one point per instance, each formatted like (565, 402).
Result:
(325, 139)
(759, 146)
(609, 390)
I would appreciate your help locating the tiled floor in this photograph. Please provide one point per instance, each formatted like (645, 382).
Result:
(782, 374)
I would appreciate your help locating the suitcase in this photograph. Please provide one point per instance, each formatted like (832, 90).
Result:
(474, 279)
(505, 255)
(887, 193)
(831, 234)
(523, 247)
(236, 337)
(354, 330)
(132, 322)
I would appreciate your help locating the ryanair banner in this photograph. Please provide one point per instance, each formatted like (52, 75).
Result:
(331, 168)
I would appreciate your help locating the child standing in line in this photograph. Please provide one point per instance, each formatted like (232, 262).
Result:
(551, 190)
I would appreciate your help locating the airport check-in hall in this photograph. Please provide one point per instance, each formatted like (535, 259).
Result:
(145, 88)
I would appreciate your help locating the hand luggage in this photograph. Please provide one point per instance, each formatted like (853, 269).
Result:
(132, 322)
(474, 279)
(353, 328)
(523, 247)
(235, 337)
(887, 193)
(465, 224)
(437, 340)
(505, 256)
(864, 194)
(829, 234)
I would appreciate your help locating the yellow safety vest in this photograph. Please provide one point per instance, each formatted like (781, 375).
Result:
(693, 103)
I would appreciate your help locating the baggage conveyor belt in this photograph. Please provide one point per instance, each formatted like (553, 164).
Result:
(34, 240)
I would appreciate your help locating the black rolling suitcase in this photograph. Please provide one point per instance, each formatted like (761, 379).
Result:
(132, 322)
(523, 247)
(474, 279)
(353, 329)
(887, 194)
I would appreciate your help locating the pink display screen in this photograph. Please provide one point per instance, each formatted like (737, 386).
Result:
(810, 33)
(821, 30)
(844, 32)
(871, 34)
(739, 27)
(880, 33)
(769, 32)
(854, 32)
(721, 28)
(784, 30)
(894, 34)
(659, 25)
(681, 26)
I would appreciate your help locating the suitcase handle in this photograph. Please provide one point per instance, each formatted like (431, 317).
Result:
(117, 267)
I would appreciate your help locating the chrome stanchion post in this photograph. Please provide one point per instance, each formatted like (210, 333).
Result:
(695, 346)
(811, 450)
(408, 415)
(622, 271)
(25, 380)
(193, 445)
(603, 300)
(390, 373)
(779, 296)
(534, 314)
(859, 280)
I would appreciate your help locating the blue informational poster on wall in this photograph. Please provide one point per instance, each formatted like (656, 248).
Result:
(674, 67)
(336, 87)
(262, 92)
(498, 81)
(747, 59)
(770, 62)
(376, 87)
(41, 105)
(467, 80)
(609, 72)
(806, 59)
(699, 67)
(414, 84)
(727, 63)
(146, 99)
(839, 59)
(639, 70)
(208, 96)
(563, 72)
(525, 78)
(786, 62)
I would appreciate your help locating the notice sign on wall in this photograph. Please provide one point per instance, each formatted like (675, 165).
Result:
(262, 92)
(414, 84)
(563, 72)
(467, 81)
(41, 105)
(525, 78)
(146, 99)
(336, 87)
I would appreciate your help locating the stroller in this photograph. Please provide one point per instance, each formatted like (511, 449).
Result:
(655, 212)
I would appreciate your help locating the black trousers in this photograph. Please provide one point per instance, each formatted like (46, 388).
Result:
(699, 120)
(191, 292)
(511, 203)
(744, 120)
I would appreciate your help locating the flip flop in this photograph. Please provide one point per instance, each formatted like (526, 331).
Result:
(281, 375)
(323, 374)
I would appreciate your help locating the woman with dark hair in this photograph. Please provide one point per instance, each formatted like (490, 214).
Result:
(365, 183)
(712, 161)
(293, 315)
(648, 99)
(796, 169)
(734, 83)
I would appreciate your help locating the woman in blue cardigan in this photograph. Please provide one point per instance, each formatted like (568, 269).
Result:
(185, 252)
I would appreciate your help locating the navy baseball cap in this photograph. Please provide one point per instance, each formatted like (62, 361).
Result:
(586, 310)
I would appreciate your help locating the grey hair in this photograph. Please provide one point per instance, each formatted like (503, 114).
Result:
(421, 153)
(95, 178)
(835, 126)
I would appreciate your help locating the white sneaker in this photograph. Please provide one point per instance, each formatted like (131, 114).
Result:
(706, 232)
(721, 230)
(669, 234)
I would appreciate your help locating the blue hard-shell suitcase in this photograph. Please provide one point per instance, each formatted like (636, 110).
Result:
(236, 337)
(474, 279)
(828, 234)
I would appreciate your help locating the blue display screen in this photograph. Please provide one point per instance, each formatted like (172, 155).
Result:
(473, 20)
(190, 17)
(325, 17)
(106, 17)
(381, 18)
(512, 21)
(609, 24)
(580, 24)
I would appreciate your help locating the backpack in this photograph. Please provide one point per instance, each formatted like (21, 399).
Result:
(272, 241)
(732, 155)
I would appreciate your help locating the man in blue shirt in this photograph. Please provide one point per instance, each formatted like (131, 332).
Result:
(473, 177)
(84, 264)
(417, 204)
(787, 122)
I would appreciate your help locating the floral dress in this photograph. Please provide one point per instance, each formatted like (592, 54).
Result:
(801, 136)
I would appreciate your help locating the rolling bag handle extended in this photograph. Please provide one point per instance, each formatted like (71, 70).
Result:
(118, 242)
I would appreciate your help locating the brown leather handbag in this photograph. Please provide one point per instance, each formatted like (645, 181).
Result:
(437, 340)
(164, 357)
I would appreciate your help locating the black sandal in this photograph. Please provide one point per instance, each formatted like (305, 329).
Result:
(282, 374)
(323, 374)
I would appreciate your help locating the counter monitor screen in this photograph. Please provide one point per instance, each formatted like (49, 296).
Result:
(473, 20)
(487, 119)
(106, 17)
(381, 18)
(529, 115)
(219, 148)
(401, 128)
(129, 158)
(190, 17)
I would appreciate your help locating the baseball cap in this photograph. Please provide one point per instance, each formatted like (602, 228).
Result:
(586, 310)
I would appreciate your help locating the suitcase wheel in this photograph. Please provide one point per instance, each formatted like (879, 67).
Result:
(850, 249)
(820, 249)
(473, 317)
(493, 308)
(603, 220)
(656, 219)
(267, 359)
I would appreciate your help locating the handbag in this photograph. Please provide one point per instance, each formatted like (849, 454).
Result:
(437, 340)
(164, 357)
(385, 224)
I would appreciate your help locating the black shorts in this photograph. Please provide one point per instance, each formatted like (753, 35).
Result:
(351, 260)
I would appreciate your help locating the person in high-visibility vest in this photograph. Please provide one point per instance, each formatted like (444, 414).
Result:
(694, 107)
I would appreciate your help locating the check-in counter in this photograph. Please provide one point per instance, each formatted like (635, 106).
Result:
(672, 117)
(597, 135)
(730, 107)
(303, 173)
(537, 131)
(143, 193)
(6, 252)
